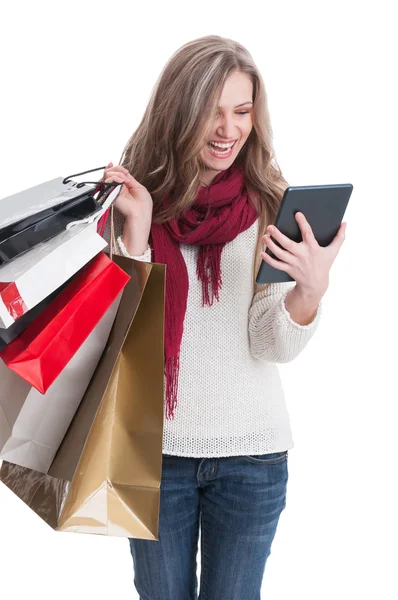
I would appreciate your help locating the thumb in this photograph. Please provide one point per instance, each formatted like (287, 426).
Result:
(339, 237)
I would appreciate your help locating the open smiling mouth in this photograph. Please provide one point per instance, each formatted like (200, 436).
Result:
(220, 149)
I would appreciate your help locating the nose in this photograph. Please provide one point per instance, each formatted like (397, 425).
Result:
(227, 128)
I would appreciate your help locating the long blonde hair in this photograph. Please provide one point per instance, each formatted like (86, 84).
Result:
(163, 152)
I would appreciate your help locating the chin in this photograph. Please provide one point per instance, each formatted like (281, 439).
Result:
(218, 166)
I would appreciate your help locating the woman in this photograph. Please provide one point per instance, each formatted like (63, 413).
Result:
(200, 185)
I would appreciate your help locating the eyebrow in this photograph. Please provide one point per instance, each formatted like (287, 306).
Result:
(238, 105)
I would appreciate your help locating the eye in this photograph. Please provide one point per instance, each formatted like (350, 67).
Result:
(243, 113)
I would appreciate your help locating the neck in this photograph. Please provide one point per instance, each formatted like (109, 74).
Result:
(207, 176)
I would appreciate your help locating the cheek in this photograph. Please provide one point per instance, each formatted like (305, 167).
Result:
(246, 129)
(204, 157)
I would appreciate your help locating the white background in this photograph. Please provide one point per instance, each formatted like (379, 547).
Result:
(75, 79)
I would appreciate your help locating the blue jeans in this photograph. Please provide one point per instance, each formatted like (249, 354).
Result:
(237, 501)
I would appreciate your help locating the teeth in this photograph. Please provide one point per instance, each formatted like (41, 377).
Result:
(222, 145)
(219, 152)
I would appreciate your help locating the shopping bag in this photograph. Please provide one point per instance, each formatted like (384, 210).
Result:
(105, 478)
(9, 334)
(32, 425)
(46, 346)
(37, 199)
(39, 213)
(32, 277)
(15, 240)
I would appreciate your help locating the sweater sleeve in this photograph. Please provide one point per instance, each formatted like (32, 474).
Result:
(273, 335)
(120, 247)
(146, 257)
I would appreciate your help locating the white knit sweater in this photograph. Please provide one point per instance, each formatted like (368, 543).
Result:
(230, 396)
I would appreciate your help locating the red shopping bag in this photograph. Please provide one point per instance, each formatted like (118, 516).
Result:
(46, 346)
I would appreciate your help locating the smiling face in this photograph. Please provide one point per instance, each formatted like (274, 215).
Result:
(231, 127)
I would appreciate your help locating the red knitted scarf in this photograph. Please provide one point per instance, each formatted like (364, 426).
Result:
(220, 213)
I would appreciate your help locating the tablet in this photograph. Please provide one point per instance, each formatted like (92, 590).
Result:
(322, 205)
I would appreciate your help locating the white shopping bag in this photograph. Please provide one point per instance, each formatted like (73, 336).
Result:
(38, 198)
(33, 276)
(33, 425)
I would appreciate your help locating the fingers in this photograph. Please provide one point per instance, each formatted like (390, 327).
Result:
(105, 171)
(120, 171)
(280, 253)
(287, 243)
(121, 175)
(114, 179)
(341, 232)
(278, 264)
(339, 238)
(305, 228)
(115, 173)
(114, 169)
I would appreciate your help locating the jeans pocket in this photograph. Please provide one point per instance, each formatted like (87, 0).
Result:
(272, 458)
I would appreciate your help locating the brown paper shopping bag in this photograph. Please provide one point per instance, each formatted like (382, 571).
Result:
(105, 477)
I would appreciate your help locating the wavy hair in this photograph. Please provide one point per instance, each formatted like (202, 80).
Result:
(163, 152)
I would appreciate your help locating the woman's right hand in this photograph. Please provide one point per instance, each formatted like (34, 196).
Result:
(134, 201)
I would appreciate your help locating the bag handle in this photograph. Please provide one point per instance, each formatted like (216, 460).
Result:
(100, 184)
(108, 204)
(108, 194)
(81, 184)
(112, 240)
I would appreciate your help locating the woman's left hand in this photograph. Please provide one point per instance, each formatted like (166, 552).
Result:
(307, 262)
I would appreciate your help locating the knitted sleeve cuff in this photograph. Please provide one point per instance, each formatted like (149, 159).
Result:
(273, 334)
(286, 316)
(146, 257)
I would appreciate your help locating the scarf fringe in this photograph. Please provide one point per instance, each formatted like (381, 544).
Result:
(208, 270)
(172, 370)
